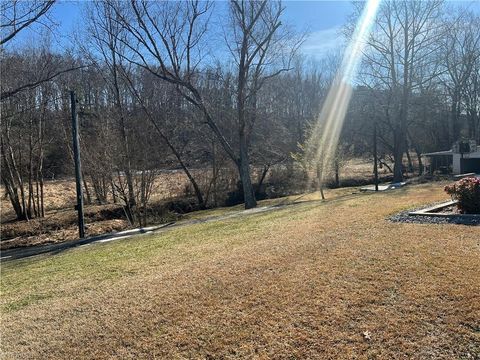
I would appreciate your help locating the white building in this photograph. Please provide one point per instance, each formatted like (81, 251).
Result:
(462, 159)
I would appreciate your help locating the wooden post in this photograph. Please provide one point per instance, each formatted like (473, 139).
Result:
(375, 166)
(78, 165)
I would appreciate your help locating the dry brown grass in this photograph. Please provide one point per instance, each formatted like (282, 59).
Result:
(59, 224)
(60, 194)
(303, 282)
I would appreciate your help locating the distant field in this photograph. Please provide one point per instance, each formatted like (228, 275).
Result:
(329, 280)
(59, 223)
(60, 194)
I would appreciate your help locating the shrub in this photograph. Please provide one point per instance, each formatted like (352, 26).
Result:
(467, 192)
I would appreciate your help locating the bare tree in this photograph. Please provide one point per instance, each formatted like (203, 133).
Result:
(16, 16)
(165, 138)
(460, 54)
(472, 101)
(23, 135)
(165, 39)
(400, 49)
(261, 51)
(105, 40)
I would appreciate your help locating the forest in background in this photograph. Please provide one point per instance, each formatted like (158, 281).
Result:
(154, 96)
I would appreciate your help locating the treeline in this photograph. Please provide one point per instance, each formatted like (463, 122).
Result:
(151, 97)
(420, 78)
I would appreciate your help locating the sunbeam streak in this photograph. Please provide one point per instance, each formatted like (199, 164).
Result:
(323, 141)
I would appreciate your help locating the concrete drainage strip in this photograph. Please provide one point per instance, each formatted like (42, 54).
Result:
(435, 211)
(22, 252)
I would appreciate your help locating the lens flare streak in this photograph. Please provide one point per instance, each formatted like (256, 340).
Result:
(323, 142)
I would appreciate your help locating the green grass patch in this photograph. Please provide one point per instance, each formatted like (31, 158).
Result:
(25, 301)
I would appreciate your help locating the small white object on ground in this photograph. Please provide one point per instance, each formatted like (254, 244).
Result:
(367, 335)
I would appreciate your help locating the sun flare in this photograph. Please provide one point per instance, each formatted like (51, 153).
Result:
(323, 141)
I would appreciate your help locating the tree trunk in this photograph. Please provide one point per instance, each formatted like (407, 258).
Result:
(409, 159)
(244, 171)
(337, 173)
(131, 192)
(31, 199)
(39, 183)
(13, 196)
(42, 196)
(320, 180)
(40, 202)
(454, 119)
(12, 189)
(15, 180)
(398, 151)
(420, 163)
(472, 124)
(263, 175)
(88, 199)
(214, 174)
(114, 195)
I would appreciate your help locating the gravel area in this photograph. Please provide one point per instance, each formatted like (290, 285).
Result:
(404, 216)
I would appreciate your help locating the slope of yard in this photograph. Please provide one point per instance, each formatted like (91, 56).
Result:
(327, 279)
(60, 221)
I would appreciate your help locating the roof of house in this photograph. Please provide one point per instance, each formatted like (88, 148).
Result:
(439, 153)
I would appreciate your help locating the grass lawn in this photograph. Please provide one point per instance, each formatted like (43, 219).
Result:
(305, 281)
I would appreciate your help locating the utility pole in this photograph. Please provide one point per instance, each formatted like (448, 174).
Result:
(78, 165)
(375, 166)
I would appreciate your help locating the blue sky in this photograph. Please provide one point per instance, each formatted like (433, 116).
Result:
(317, 15)
(321, 19)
